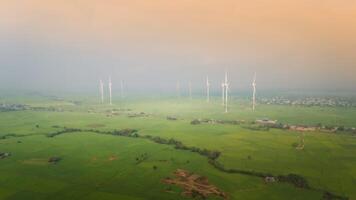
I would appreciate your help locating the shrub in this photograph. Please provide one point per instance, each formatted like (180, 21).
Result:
(296, 180)
(195, 122)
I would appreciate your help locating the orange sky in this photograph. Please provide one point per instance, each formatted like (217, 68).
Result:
(332, 19)
(307, 34)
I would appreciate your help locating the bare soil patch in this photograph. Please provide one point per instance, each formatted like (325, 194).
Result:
(194, 185)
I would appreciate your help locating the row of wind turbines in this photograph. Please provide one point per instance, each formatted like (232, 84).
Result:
(101, 88)
(225, 85)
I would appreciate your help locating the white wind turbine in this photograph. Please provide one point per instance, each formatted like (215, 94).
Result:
(101, 88)
(110, 92)
(254, 92)
(223, 93)
(207, 89)
(226, 86)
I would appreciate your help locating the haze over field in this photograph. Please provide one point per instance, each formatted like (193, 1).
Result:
(66, 44)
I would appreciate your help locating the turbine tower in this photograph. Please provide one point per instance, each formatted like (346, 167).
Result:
(110, 92)
(101, 88)
(254, 92)
(226, 84)
(190, 90)
(223, 93)
(207, 89)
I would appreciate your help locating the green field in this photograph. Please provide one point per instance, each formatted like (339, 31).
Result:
(102, 166)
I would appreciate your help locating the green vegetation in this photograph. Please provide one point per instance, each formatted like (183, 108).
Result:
(103, 152)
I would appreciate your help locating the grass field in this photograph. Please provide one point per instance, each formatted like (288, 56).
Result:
(97, 166)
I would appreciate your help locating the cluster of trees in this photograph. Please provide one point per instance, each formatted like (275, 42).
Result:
(54, 160)
(195, 122)
(213, 155)
(12, 107)
(49, 109)
(125, 132)
(270, 125)
(319, 126)
(9, 135)
(278, 126)
(66, 130)
(346, 129)
(296, 180)
(222, 168)
(172, 118)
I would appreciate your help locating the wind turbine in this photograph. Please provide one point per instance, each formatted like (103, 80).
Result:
(101, 88)
(254, 92)
(207, 89)
(226, 84)
(223, 93)
(190, 89)
(110, 93)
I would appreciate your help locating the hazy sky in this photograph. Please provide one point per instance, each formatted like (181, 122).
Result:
(71, 44)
